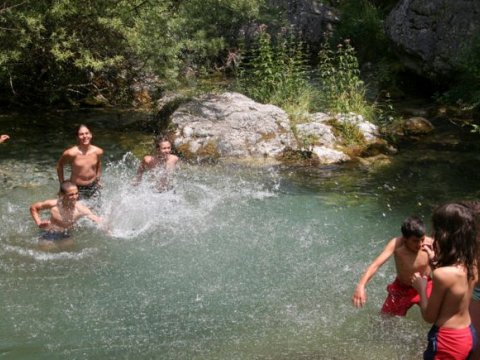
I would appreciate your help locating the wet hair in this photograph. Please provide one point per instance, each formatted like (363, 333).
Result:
(454, 232)
(77, 129)
(473, 205)
(413, 226)
(64, 186)
(161, 139)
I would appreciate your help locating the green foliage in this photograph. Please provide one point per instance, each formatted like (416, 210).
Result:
(68, 49)
(277, 73)
(53, 48)
(362, 21)
(342, 90)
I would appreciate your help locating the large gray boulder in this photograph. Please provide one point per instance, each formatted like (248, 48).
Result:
(231, 125)
(433, 34)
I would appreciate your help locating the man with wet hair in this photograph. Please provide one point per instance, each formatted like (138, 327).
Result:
(64, 213)
(412, 253)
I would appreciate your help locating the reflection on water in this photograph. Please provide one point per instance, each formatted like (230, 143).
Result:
(233, 263)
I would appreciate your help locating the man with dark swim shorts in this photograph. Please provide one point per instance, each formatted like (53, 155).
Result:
(91, 191)
(64, 213)
(85, 162)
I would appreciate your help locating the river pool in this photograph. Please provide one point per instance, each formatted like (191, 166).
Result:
(234, 263)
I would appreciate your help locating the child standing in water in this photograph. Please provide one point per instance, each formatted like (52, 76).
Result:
(455, 273)
(411, 252)
(85, 160)
(163, 161)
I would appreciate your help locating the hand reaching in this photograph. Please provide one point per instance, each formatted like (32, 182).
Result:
(359, 297)
(419, 281)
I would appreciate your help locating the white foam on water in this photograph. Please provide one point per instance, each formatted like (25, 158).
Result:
(49, 256)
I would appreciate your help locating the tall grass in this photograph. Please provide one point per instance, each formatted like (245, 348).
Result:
(278, 72)
(340, 85)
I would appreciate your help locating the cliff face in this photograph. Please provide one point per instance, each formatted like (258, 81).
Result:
(312, 18)
(432, 35)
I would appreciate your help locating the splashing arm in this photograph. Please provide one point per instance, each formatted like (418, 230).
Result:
(35, 209)
(85, 211)
(359, 297)
(144, 165)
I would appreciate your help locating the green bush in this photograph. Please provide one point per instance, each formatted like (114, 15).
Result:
(277, 72)
(341, 88)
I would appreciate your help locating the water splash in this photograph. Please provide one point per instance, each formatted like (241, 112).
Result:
(138, 211)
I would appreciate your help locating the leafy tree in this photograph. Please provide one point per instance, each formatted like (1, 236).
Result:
(51, 49)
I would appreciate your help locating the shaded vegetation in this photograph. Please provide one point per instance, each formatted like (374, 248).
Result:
(69, 52)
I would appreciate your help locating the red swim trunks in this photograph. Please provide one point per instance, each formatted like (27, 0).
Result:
(402, 297)
(450, 344)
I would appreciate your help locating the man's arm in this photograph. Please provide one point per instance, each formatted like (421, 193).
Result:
(4, 138)
(171, 163)
(359, 297)
(64, 159)
(85, 211)
(35, 209)
(430, 306)
(427, 246)
(144, 165)
(99, 164)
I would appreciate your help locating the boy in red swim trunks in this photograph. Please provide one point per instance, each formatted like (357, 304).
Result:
(412, 253)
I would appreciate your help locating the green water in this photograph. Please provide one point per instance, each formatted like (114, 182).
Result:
(236, 263)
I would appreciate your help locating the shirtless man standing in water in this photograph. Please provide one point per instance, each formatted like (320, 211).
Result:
(85, 162)
(64, 213)
(163, 160)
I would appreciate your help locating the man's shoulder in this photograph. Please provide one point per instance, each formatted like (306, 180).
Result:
(149, 160)
(82, 208)
(172, 158)
(49, 203)
(398, 241)
(449, 274)
(71, 151)
(97, 150)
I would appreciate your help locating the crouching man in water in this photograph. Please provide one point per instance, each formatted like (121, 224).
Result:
(163, 164)
(64, 213)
